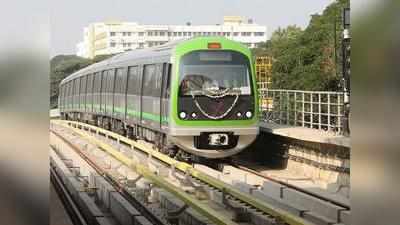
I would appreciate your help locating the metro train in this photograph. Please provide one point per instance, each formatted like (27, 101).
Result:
(194, 97)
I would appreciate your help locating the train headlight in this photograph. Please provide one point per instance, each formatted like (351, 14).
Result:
(182, 115)
(249, 114)
(194, 115)
(239, 114)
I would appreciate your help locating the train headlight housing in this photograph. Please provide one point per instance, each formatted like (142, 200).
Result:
(249, 114)
(182, 115)
(239, 114)
(194, 115)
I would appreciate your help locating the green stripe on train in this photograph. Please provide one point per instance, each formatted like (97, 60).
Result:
(130, 112)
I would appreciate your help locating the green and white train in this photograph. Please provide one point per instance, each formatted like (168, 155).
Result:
(192, 97)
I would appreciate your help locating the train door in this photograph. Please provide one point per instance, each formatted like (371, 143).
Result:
(76, 94)
(89, 93)
(96, 92)
(82, 94)
(133, 95)
(110, 92)
(165, 93)
(103, 92)
(151, 91)
(69, 95)
(119, 93)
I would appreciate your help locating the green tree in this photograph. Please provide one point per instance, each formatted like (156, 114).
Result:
(309, 59)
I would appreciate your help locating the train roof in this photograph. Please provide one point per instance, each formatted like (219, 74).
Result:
(161, 51)
(148, 55)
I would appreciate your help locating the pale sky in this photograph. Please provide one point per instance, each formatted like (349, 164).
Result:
(69, 17)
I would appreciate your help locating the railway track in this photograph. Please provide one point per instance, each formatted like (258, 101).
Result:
(101, 176)
(238, 206)
(235, 206)
(291, 186)
(66, 199)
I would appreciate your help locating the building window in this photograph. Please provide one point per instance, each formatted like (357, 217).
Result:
(150, 33)
(179, 34)
(162, 33)
(127, 45)
(112, 44)
(141, 34)
(184, 33)
(258, 34)
(235, 33)
(112, 33)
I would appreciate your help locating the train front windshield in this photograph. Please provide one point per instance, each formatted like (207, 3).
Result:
(215, 72)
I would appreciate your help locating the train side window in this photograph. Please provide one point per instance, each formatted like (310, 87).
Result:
(156, 83)
(117, 84)
(97, 83)
(83, 85)
(76, 86)
(124, 83)
(67, 94)
(133, 81)
(63, 96)
(69, 89)
(110, 81)
(95, 78)
(73, 84)
(89, 85)
(103, 82)
(119, 81)
(148, 79)
(166, 80)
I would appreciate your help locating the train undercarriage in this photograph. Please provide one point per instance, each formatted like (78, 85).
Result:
(136, 132)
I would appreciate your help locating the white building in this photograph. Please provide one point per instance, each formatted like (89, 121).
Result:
(115, 37)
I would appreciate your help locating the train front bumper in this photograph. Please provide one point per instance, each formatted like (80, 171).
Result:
(185, 139)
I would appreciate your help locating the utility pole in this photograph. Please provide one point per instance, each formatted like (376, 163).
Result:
(346, 47)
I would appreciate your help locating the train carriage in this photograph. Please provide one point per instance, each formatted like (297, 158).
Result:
(196, 96)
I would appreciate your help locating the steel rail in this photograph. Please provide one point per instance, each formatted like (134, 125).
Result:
(183, 167)
(143, 210)
(200, 206)
(315, 195)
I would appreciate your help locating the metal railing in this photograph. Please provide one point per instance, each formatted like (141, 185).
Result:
(321, 110)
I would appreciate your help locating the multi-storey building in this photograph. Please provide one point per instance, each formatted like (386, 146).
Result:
(115, 37)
